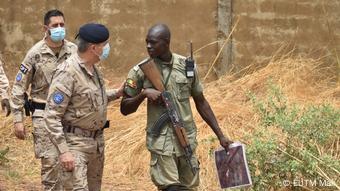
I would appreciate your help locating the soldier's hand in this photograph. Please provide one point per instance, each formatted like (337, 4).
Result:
(152, 94)
(67, 161)
(120, 90)
(6, 106)
(19, 130)
(225, 143)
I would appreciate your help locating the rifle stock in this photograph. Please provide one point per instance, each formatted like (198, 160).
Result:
(150, 70)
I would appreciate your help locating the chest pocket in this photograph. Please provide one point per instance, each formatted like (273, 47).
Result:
(82, 103)
(48, 69)
(97, 98)
(183, 88)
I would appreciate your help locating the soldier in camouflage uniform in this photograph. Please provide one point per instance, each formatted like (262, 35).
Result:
(168, 167)
(4, 91)
(76, 111)
(36, 73)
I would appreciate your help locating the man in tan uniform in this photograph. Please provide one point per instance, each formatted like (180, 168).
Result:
(168, 167)
(36, 72)
(76, 110)
(4, 91)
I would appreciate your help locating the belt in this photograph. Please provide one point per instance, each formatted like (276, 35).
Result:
(82, 132)
(85, 132)
(37, 105)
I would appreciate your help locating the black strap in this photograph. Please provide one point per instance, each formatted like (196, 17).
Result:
(100, 84)
(37, 105)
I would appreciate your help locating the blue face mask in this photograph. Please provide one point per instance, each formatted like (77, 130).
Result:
(106, 51)
(57, 34)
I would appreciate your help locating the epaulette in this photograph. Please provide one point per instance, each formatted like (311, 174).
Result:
(136, 68)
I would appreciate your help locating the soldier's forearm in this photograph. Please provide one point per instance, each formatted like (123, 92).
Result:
(208, 116)
(112, 94)
(18, 116)
(130, 104)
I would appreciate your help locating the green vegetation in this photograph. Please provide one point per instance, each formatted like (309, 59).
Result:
(3, 158)
(295, 147)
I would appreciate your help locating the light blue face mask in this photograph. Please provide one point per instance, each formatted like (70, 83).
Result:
(106, 51)
(57, 34)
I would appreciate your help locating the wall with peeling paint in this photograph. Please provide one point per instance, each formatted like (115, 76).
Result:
(128, 21)
(307, 26)
(275, 27)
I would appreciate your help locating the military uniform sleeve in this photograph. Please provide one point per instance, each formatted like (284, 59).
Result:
(111, 94)
(3, 83)
(197, 87)
(134, 82)
(59, 96)
(20, 85)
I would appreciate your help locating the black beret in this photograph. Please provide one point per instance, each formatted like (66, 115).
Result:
(93, 33)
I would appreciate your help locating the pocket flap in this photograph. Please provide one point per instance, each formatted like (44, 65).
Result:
(182, 80)
(153, 160)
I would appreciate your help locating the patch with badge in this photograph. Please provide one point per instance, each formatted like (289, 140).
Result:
(19, 77)
(37, 58)
(58, 97)
(131, 83)
(23, 69)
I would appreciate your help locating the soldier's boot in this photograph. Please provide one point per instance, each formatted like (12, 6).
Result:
(176, 188)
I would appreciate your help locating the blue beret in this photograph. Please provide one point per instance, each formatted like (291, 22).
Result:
(94, 33)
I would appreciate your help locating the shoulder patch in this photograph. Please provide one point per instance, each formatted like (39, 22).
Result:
(37, 58)
(131, 83)
(58, 97)
(19, 77)
(23, 69)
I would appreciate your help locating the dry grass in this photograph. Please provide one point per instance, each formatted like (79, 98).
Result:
(305, 81)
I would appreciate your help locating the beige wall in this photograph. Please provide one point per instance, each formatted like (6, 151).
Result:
(128, 21)
(311, 26)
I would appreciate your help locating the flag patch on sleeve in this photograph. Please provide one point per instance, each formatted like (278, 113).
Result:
(23, 69)
(131, 83)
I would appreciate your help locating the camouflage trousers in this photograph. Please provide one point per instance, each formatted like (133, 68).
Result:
(48, 154)
(89, 163)
(172, 170)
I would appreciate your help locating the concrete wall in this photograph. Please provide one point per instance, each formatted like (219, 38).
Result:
(128, 21)
(309, 26)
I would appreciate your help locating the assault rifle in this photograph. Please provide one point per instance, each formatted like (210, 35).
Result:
(171, 115)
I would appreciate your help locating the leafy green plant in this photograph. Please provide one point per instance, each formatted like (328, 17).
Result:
(294, 144)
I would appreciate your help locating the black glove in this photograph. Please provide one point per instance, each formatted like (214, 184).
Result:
(5, 105)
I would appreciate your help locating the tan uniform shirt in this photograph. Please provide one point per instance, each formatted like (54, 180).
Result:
(76, 98)
(181, 89)
(3, 83)
(36, 72)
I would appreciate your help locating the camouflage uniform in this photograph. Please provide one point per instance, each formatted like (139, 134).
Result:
(36, 71)
(168, 165)
(3, 83)
(75, 115)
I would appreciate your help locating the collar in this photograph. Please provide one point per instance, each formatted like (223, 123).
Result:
(159, 61)
(82, 65)
(65, 49)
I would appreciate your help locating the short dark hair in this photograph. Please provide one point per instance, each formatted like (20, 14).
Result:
(52, 13)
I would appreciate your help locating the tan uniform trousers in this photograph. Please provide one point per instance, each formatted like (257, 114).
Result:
(172, 170)
(89, 163)
(47, 152)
